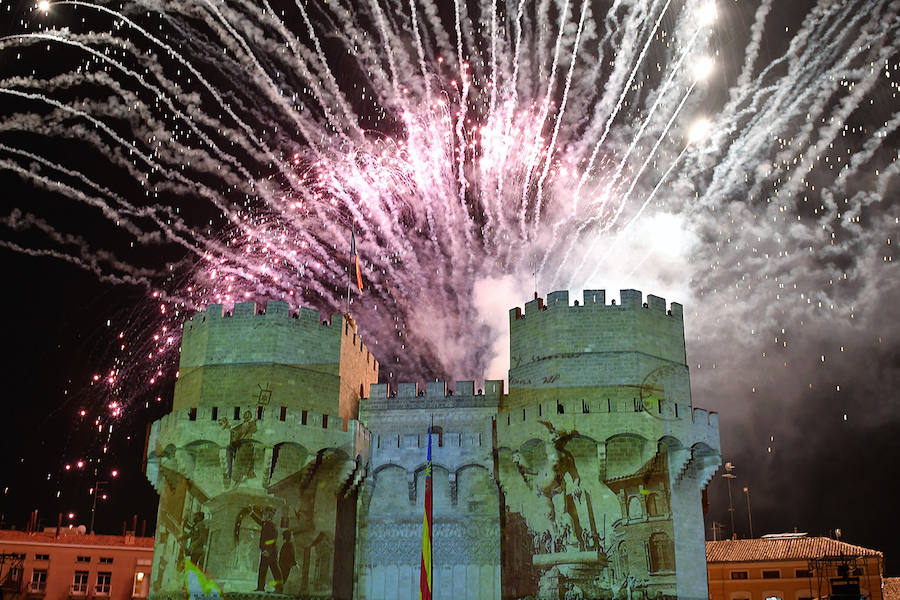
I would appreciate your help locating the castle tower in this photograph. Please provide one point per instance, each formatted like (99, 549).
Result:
(257, 465)
(601, 456)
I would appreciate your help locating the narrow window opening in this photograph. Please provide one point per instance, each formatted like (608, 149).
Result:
(283, 415)
(192, 413)
(259, 412)
(303, 418)
(324, 421)
(214, 415)
(237, 413)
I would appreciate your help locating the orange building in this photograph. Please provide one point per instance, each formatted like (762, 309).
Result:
(791, 566)
(70, 564)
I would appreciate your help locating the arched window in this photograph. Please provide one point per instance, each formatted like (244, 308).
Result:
(655, 505)
(662, 553)
(635, 510)
(623, 560)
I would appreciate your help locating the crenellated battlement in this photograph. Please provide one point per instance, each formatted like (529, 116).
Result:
(601, 419)
(434, 395)
(589, 344)
(269, 333)
(596, 300)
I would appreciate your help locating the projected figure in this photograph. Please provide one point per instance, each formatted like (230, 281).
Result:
(268, 548)
(196, 535)
(239, 432)
(286, 558)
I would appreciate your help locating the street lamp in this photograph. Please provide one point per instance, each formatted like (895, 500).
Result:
(749, 514)
(729, 467)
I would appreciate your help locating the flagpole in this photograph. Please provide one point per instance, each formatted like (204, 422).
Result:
(349, 274)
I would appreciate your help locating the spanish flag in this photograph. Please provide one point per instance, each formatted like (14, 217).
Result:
(425, 574)
(355, 259)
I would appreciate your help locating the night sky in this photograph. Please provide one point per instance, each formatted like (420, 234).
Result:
(777, 232)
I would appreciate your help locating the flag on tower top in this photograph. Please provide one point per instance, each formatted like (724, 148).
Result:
(355, 255)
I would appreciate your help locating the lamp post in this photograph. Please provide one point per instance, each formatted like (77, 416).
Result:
(729, 467)
(749, 514)
(96, 490)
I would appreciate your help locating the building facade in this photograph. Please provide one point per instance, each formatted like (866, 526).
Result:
(791, 567)
(58, 564)
(285, 467)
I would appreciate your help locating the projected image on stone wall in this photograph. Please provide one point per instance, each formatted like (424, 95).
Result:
(595, 528)
(286, 469)
(253, 518)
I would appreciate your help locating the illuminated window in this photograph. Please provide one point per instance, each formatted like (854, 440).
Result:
(80, 583)
(773, 574)
(38, 580)
(739, 575)
(138, 589)
(104, 580)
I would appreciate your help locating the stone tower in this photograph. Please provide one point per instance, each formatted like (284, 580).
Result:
(257, 462)
(601, 456)
(286, 468)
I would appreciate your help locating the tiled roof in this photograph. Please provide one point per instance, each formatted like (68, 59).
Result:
(82, 539)
(891, 588)
(798, 548)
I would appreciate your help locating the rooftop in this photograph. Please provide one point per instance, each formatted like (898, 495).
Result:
(73, 536)
(891, 590)
(795, 547)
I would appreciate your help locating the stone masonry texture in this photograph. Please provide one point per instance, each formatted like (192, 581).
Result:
(286, 470)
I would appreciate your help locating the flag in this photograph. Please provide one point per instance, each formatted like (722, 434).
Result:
(425, 572)
(355, 259)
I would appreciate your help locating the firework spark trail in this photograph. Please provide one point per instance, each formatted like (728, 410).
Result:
(623, 203)
(618, 107)
(435, 175)
(600, 263)
(548, 161)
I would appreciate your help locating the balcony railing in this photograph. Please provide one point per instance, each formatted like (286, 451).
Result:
(79, 589)
(101, 589)
(37, 587)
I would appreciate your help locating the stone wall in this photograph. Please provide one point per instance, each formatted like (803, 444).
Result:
(277, 474)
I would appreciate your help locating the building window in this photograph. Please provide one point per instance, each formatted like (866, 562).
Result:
(623, 559)
(41, 557)
(655, 506)
(104, 579)
(773, 574)
(739, 575)
(83, 559)
(106, 560)
(192, 413)
(662, 553)
(80, 583)
(138, 590)
(803, 573)
(38, 580)
(214, 415)
(634, 508)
